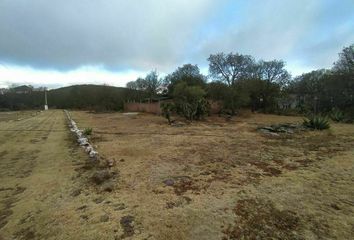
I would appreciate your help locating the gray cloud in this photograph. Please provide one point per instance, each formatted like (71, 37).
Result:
(116, 33)
(161, 34)
(306, 33)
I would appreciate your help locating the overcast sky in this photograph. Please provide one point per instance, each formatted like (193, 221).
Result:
(63, 42)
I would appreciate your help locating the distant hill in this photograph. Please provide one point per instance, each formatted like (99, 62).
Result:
(90, 97)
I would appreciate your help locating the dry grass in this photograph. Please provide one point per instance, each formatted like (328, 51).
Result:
(16, 116)
(215, 179)
(40, 170)
(184, 181)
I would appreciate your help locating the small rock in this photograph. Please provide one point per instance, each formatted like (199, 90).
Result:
(88, 148)
(93, 154)
(82, 141)
(110, 163)
(270, 129)
(273, 134)
(169, 182)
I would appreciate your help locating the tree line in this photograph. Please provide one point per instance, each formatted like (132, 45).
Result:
(234, 81)
(238, 81)
(87, 97)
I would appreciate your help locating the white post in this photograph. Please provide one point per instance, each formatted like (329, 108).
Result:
(45, 100)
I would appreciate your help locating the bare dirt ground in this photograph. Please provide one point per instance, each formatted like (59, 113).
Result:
(215, 179)
(222, 179)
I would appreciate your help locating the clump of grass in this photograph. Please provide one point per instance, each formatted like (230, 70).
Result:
(87, 131)
(317, 122)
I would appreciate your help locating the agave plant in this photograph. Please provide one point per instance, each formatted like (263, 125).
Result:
(337, 115)
(87, 131)
(317, 122)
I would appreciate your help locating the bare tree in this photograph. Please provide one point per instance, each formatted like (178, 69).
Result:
(151, 84)
(231, 67)
(345, 64)
(273, 71)
(132, 85)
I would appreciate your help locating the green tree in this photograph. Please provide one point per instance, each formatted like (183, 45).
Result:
(345, 63)
(232, 97)
(189, 74)
(262, 94)
(190, 101)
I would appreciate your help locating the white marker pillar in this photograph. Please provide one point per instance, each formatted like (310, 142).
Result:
(45, 100)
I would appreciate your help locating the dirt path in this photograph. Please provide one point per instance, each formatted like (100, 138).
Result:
(36, 169)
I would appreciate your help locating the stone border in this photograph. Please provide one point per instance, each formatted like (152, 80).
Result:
(81, 139)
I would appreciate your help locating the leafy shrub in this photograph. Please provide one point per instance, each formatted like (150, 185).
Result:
(87, 131)
(167, 109)
(317, 122)
(195, 110)
(337, 115)
(190, 101)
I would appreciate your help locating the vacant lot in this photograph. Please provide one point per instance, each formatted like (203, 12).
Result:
(215, 179)
(221, 179)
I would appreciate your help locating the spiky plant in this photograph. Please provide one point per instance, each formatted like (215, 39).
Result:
(337, 115)
(87, 131)
(316, 122)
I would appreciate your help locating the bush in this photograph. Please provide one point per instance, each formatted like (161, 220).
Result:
(337, 115)
(190, 101)
(87, 131)
(167, 109)
(317, 122)
(195, 110)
